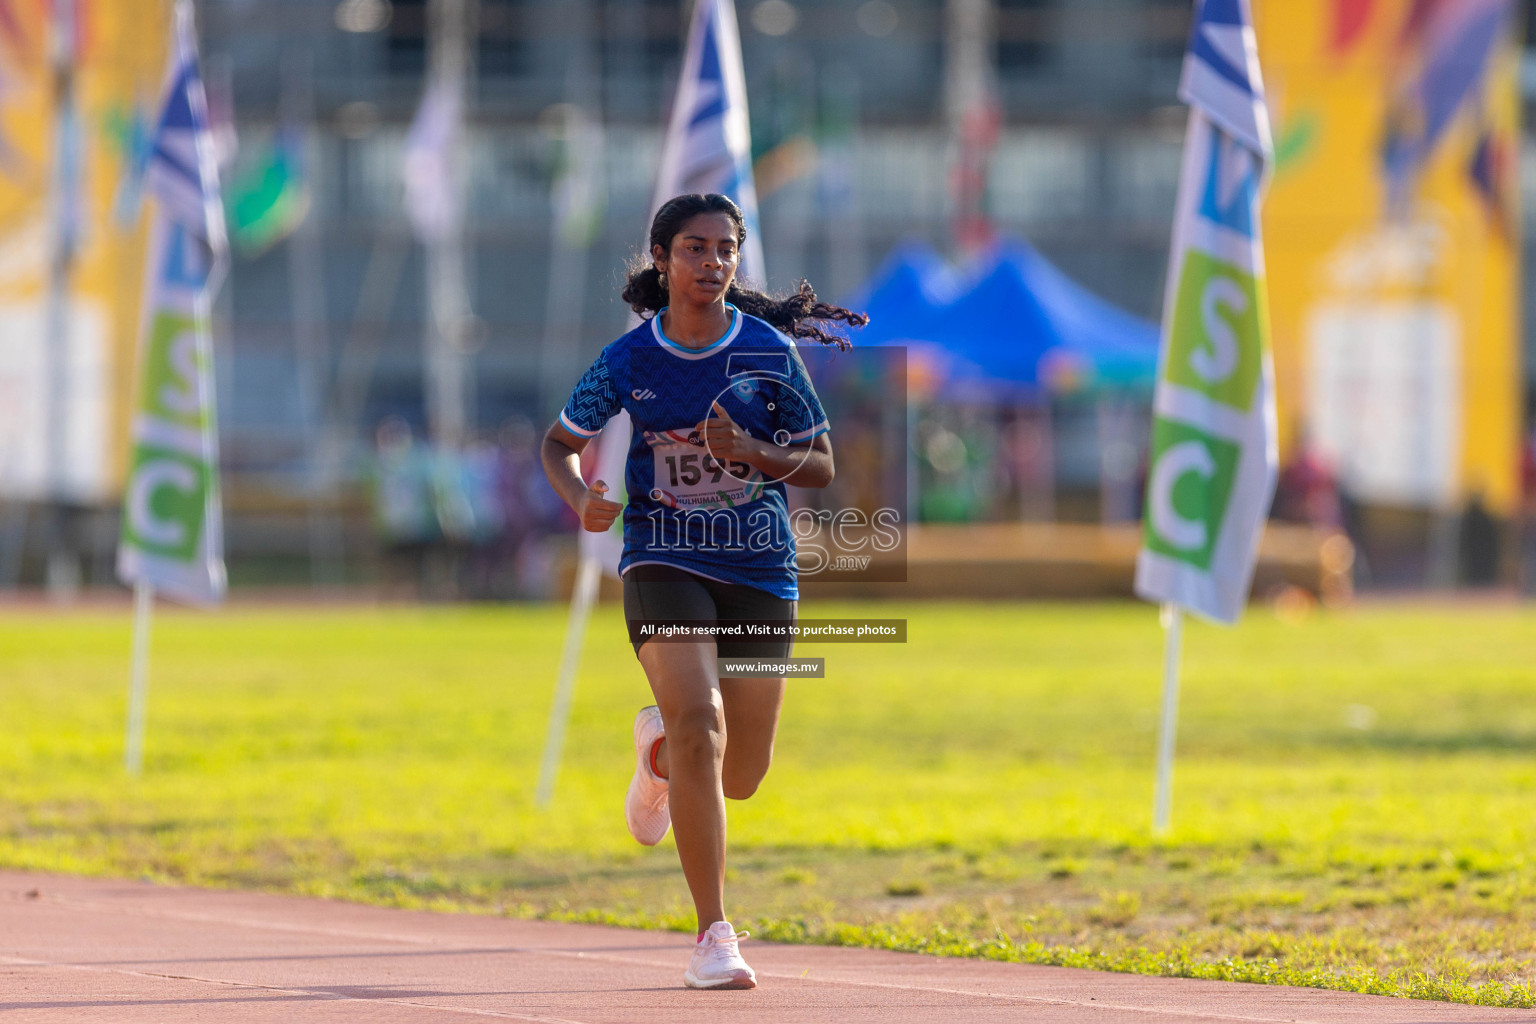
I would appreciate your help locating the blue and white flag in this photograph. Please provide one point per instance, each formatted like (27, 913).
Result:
(172, 535)
(1211, 472)
(183, 171)
(708, 147)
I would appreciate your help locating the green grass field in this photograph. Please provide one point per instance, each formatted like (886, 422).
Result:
(1355, 796)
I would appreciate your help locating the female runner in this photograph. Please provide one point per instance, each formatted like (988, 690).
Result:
(724, 415)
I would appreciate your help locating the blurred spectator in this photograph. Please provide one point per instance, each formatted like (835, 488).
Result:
(471, 521)
(1479, 544)
(532, 512)
(1307, 490)
(1528, 513)
(956, 480)
(404, 512)
(1027, 455)
(470, 509)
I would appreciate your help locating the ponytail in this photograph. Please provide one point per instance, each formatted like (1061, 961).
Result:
(794, 313)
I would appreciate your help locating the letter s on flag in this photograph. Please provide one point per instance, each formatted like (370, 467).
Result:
(1218, 362)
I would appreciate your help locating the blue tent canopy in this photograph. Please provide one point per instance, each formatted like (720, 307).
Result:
(909, 293)
(1013, 324)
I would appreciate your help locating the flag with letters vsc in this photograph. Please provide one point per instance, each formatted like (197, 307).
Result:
(172, 532)
(1211, 469)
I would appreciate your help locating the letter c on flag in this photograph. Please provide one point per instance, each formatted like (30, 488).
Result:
(1177, 462)
(149, 478)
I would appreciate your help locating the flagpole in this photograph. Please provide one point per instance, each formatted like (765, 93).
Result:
(565, 296)
(450, 389)
(311, 334)
(63, 566)
(138, 685)
(595, 550)
(1162, 805)
(564, 304)
(588, 573)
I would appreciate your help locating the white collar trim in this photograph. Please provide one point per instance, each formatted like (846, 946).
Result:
(683, 351)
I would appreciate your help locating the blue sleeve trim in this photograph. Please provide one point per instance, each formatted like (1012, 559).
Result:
(565, 421)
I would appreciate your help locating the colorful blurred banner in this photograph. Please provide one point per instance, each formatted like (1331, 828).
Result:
(269, 197)
(120, 55)
(1212, 467)
(172, 530)
(1393, 243)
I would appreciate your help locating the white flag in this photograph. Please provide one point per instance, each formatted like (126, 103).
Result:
(172, 534)
(431, 196)
(1211, 473)
(708, 148)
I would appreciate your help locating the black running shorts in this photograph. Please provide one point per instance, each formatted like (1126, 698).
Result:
(664, 594)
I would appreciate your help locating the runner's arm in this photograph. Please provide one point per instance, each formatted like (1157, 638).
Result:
(561, 455)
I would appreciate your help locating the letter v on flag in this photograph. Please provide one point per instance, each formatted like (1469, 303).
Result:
(172, 535)
(1213, 461)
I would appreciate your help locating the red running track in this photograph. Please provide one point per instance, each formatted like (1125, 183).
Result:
(88, 950)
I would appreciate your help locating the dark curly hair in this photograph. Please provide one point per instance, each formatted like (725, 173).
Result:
(793, 314)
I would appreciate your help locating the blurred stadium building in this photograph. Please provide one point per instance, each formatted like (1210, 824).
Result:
(849, 130)
(856, 106)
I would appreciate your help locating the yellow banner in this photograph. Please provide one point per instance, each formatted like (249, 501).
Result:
(1392, 241)
(120, 62)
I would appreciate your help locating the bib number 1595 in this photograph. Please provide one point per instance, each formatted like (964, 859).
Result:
(689, 469)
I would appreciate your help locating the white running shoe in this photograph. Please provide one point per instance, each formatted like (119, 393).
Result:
(645, 805)
(717, 962)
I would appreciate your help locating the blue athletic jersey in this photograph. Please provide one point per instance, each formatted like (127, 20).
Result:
(722, 520)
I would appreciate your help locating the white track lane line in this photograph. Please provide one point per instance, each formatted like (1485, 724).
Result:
(415, 940)
(17, 961)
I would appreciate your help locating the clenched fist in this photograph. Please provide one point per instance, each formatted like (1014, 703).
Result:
(597, 512)
(724, 437)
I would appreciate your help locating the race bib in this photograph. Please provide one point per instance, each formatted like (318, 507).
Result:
(687, 476)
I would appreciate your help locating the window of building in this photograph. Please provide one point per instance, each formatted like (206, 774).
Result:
(505, 26)
(1166, 31)
(500, 44)
(1026, 36)
(405, 43)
